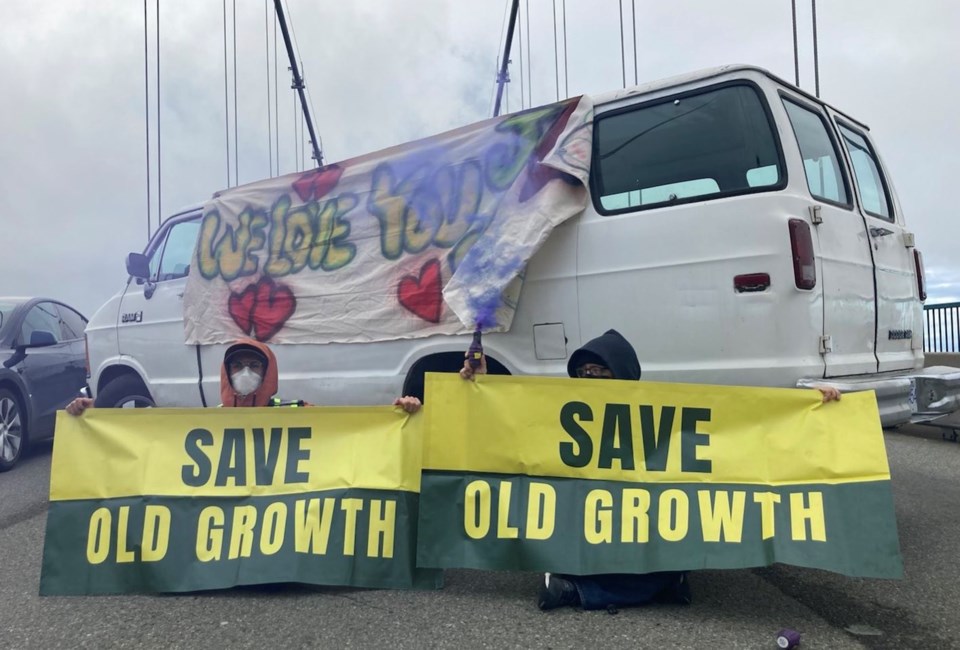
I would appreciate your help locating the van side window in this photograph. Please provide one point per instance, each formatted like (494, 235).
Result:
(178, 250)
(820, 157)
(685, 148)
(870, 183)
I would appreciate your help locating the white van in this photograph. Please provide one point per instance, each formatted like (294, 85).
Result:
(739, 231)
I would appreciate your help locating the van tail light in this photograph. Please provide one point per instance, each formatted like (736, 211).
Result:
(801, 246)
(86, 355)
(921, 280)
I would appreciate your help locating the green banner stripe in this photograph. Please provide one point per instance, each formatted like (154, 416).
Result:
(358, 537)
(643, 527)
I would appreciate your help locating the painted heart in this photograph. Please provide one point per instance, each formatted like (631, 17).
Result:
(240, 306)
(275, 304)
(262, 309)
(316, 184)
(423, 294)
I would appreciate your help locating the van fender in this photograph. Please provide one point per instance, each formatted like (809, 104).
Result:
(118, 366)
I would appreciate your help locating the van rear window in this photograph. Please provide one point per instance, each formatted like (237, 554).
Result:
(686, 148)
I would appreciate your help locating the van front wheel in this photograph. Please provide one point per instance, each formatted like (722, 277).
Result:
(125, 391)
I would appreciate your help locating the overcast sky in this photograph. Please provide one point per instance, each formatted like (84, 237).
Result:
(72, 151)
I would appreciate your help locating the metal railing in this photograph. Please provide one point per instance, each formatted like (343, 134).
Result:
(941, 331)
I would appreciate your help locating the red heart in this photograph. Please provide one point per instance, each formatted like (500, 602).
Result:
(315, 184)
(423, 295)
(262, 308)
(274, 305)
(240, 305)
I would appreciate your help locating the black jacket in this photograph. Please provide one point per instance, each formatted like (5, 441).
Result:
(611, 350)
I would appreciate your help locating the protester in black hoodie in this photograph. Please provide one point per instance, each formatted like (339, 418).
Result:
(610, 356)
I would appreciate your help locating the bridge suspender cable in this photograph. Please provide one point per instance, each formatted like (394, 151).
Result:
(236, 141)
(266, 41)
(816, 60)
(502, 75)
(276, 96)
(298, 82)
(623, 55)
(159, 159)
(146, 109)
(520, 44)
(226, 92)
(529, 75)
(636, 58)
(566, 78)
(556, 52)
(796, 58)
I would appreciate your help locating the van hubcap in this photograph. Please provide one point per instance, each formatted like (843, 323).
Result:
(10, 431)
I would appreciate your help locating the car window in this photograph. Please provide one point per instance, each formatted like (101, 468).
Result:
(866, 168)
(825, 179)
(72, 324)
(178, 250)
(686, 148)
(41, 317)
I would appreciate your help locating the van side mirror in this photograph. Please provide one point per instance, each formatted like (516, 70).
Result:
(138, 266)
(41, 339)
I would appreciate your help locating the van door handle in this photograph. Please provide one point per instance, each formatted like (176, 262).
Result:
(880, 232)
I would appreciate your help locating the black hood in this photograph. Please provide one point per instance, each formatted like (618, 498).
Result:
(613, 351)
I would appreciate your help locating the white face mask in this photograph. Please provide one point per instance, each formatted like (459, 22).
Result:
(245, 382)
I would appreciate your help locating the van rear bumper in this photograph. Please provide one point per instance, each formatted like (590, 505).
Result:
(911, 396)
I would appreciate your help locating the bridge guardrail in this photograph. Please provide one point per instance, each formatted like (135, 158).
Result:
(941, 331)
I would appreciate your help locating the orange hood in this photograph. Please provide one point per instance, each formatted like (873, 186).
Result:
(261, 396)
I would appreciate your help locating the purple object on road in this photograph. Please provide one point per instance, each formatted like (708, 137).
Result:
(787, 638)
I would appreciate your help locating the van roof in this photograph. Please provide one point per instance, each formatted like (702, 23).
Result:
(708, 73)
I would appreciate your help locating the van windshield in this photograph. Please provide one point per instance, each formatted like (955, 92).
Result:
(692, 147)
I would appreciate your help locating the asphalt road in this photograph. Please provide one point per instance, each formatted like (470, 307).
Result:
(731, 609)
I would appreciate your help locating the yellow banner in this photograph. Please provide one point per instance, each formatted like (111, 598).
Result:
(234, 452)
(647, 431)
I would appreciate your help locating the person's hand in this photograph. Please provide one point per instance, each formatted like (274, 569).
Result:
(408, 403)
(829, 393)
(468, 371)
(79, 405)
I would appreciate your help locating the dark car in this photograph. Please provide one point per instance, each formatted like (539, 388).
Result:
(42, 368)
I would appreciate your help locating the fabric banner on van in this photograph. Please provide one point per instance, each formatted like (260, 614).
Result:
(587, 476)
(172, 500)
(424, 238)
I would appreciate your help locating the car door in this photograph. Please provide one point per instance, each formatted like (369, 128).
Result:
(43, 367)
(150, 327)
(843, 244)
(898, 308)
(72, 325)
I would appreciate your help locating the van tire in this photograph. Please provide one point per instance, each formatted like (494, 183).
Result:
(125, 391)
